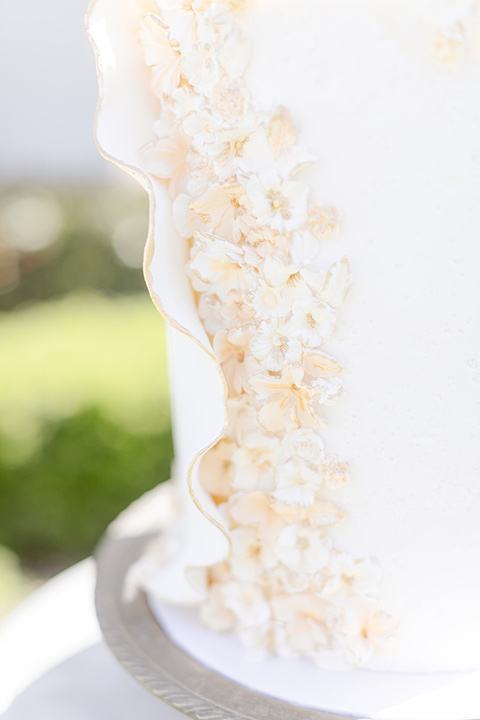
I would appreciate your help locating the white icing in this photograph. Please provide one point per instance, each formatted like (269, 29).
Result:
(399, 141)
(397, 133)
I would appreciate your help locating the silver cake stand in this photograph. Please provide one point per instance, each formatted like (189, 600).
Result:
(145, 650)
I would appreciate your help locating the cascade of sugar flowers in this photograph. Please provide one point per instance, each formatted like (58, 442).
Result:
(269, 306)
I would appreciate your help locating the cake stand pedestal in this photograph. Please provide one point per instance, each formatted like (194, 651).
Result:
(145, 649)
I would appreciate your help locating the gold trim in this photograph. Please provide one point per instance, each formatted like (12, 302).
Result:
(145, 181)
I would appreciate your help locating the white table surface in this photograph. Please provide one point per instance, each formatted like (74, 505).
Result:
(55, 666)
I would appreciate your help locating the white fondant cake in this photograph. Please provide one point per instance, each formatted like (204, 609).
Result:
(327, 431)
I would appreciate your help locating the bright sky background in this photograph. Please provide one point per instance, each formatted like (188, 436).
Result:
(48, 93)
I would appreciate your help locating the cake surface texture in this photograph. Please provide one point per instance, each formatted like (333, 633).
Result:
(314, 174)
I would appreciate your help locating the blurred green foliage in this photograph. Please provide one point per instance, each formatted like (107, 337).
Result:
(84, 407)
(80, 252)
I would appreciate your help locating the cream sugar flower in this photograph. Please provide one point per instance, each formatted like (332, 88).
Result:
(296, 483)
(336, 284)
(234, 54)
(275, 343)
(214, 613)
(289, 401)
(210, 310)
(185, 221)
(181, 18)
(251, 557)
(228, 148)
(259, 640)
(224, 208)
(362, 628)
(303, 548)
(256, 509)
(302, 617)
(164, 60)
(232, 350)
(334, 472)
(324, 220)
(230, 99)
(256, 461)
(291, 282)
(351, 576)
(201, 126)
(200, 69)
(236, 311)
(279, 203)
(315, 321)
(305, 444)
(267, 302)
(328, 390)
(259, 159)
(242, 416)
(167, 158)
(203, 176)
(219, 264)
(261, 243)
(247, 602)
(216, 470)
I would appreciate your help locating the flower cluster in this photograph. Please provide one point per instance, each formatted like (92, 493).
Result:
(269, 304)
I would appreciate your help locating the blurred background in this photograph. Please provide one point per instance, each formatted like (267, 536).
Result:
(84, 413)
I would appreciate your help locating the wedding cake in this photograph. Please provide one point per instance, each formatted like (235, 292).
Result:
(314, 176)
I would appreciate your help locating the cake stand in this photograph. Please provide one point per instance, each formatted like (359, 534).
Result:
(142, 645)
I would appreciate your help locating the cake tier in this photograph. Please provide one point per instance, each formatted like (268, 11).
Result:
(386, 97)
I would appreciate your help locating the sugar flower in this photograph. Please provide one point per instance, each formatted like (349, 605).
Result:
(292, 283)
(363, 628)
(216, 470)
(256, 508)
(234, 54)
(199, 69)
(251, 556)
(267, 302)
(296, 483)
(224, 208)
(247, 602)
(214, 613)
(180, 15)
(324, 220)
(230, 98)
(236, 311)
(275, 343)
(242, 417)
(302, 616)
(281, 131)
(264, 242)
(167, 158)
(320, 365)
(227, 148)
(287, 401)
(328, 390)
(315, 321)
(232, 350)
(220, 264)
(334, 472)
(336, 284)
(305, 444)
(164, 60)
(185, 221)
(352, 576)
(201, 126)
(281, 204)
(302, 548)
(256, 461)
(210, 310)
